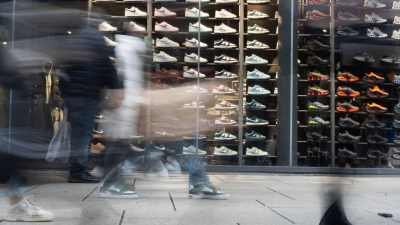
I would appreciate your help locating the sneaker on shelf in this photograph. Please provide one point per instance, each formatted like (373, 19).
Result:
(346, 77)
(224, 59)
(396, 5)
(254, 105)
(226, 1)
(106, 27)
(373, 123)
(255, 14)
(163, 12)
(347, 91)
(396, 79)
(373, 78)
(396, 109)
(27, 211)
(255, 152)
(396, 34)
(193, 58)
(165, 27)
(255, 121)
(346, 31)
(223, 74)
(191, 73)
(204, 1)
(375, 33)
(163, 73)
(316, 15)
(196, 27)
(163, 57)
(373, 4)
(316, 75)
(346, 107)
(224, 44)
(195, 89)
(347, 138)
(110, 42)
(374, 18)
(318, 2)
(316, 45)
(224, 151)
(347, 2)
(222, 104)
(194, 105)
(191, 150)
(133, 27)
(347, 16)
(276, 15)
(194, 43)
(255, 29)
(162, 134)
(194, 13)
(254, 136)
(316, 137)
(224, 29)
(222, 135)
(396, 20)
(135, 12)
(256, 45)
(223, 14)
(317, 106)
(375, 108)
(376, 139)
(376, 154)
(254, 59)
(376, 92)
(364, 57)
(345, 153)
(224, 121)
(396, 139)
(316, 61)
(207, 191)
(166, 43)
(317, 121)
(194, 136)
(118, 191)
(256, 74)
(257, 1)
(275, 91)
(391, 59)
(222, 89)
(315, 90)
(97, 148)
(348, 122)
(257, 90)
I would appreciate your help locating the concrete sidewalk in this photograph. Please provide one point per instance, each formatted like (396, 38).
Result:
(254, 199)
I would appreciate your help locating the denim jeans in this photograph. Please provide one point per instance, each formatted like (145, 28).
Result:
(81, 112)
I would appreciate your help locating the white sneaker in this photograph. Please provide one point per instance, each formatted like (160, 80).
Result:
(191, 73)
(191, 150)
(223, 74)
(194, 105)
(276, 15)
(255, 152)
(373, 4)
(224, 59)
(222, 89)
(224, 44)
(197, 1)
(376, 33)
(193, 58)
(194, 13)
(396, 5)
(163, 57)
(223, 29)
(256, 45)
(373, 18)
(396, 34)
(224, 121)
(110, 42)
(163, 12)
(194, 43)
(27, 211)
(224, 14)
(224, 151)
(195, 89)
(166, 43)
(255, 14)
(275, 90)
(396, 20)
(165, 27)
(133, 27)
(133, 11)
(226, 1)
(257, 1)
(225, 105)
(106, 27)
(194, 28)
(255, 29)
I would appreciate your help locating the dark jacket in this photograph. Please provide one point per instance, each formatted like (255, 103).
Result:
(88, 65)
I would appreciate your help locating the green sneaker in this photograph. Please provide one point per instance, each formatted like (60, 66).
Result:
(117, 190)
(317, 106)
(207, 190)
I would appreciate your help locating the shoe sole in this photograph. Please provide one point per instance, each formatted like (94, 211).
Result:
(351, 141)
(258, 93)
(108, 195)
(255, 124)
(225, 139)
(202, 196)
(19, 218)
(225, 62)
(255, 32)
(222, 77)
(166, 31)
(250, 154)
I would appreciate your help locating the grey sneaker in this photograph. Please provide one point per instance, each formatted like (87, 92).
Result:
(347, 16)
(207, 190)
(254, 136)
(27, 211)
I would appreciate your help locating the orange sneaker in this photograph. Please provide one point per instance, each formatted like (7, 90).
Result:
(373, 78)
(375, 92)
(346, 91)
(375, 108)
(346, 76)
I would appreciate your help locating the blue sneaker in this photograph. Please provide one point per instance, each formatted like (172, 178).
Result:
(396, 123)
(256, 121)
(254, 105)
(257, 90)
(256, 74)
(397, 108)
(254, 136)
(254, 59)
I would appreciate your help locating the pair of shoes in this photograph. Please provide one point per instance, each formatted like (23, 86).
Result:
(207, 190)
(84, 177)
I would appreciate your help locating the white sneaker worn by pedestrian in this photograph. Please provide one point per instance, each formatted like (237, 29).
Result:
(133, 11)
(106, 27)
(27, 211)
(194, 43)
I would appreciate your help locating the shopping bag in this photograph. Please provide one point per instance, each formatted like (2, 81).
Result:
(60, 145)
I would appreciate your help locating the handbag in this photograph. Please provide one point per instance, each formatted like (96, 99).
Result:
(60, 145)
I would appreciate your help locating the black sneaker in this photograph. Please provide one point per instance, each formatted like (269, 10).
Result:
(347, 31)
(316, 45)
(348, 122)
(316, 137)
(224, 44)
(347, 138)
(316, 61)
(345, 153)
(374, 124)
(376, 154)
(376, 139)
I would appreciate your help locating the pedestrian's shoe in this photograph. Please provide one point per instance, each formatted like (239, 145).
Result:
(27, 211)
(208, 191)
(84, 177)
(117, 190)
(376, 154)
(334, 216)
(345, 153)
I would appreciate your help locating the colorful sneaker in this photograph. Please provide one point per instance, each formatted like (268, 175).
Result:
(373, 4)
(317, 106)
(316, 15)
(163, 73)
(346, 31)
(317, 121)
(311, 91)
(222, 135)
(318, 2)
(256, 74)
(347, 138)
(224, 121)
(257, 90)
(222, 89)
(373, 78)
(163, 12)
(391, 59)
(254, 59)
(347, 91)
(117, 191)
(347, 16)
(223, 74)
(346, 107)
(224, 151)
(346, 76)
(255, 152)
(375, 92)
(27, 211)
(254, 105)
(256, 121)
(375, 108)
(315, 75)
(373, 18)
(316, 137)
(374, 124)
(348, 122)
(254, 136)
(225, 105)
(364, 57)
(162, 86)
(208, 191)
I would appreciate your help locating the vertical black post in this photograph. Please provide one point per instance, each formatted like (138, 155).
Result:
(287, 83)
